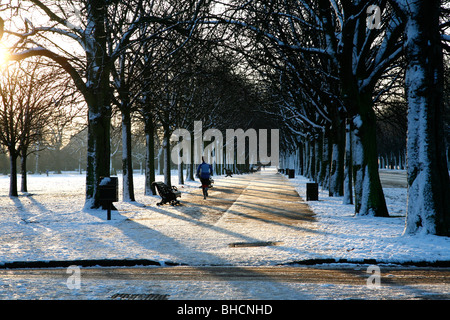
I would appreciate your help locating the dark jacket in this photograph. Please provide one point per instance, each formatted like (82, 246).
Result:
(204, 170)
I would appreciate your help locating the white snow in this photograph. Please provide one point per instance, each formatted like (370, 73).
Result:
(49, 223)
(346, 236)
(105, 181)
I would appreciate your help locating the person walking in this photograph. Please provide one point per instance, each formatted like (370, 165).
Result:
(204, 172)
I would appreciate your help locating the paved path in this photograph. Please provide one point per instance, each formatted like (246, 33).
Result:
(345, 275)
(268, 205)
(245, 220)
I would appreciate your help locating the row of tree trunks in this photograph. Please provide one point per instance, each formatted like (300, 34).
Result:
(427, 169)
(343, 160)
(393, 161)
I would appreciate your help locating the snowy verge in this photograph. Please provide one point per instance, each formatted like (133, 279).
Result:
(343, 236)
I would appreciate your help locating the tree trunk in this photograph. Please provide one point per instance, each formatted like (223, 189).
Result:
(161, 161)
(180, 172)
(150, 157)
(127, 163)
(308, 159)
(336, 188)
(23, 171)
(36, 157)
(448, 157)
(326, 166)
(369, 197)
(428, 178)
(348, 188)
(166, 155)
(319, 158)
(312, 160)
(98, 153)
(191, 166)
(301, 157)
(98, 101)
(13, 174)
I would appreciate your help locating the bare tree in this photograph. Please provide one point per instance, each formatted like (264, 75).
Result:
(26, 95)
(90, 68)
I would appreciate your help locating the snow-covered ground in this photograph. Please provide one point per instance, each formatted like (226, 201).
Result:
(347, 236)
(49, 223)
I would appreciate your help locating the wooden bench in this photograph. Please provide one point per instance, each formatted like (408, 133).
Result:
(167, 194)
(228, 173)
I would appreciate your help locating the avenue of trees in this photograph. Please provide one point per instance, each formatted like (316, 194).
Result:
(353, 86)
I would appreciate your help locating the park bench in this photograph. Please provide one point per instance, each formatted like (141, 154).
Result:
(167, 194)
(253, 169)
(228, 173)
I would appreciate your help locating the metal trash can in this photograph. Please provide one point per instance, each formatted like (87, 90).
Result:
(108, 190)
(312, 191)
(291, 173)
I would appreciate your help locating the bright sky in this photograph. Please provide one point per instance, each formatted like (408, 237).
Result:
(3, 53)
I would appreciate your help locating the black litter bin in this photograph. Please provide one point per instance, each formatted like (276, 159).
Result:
(312, 192)
(108, 190)
(291, 174)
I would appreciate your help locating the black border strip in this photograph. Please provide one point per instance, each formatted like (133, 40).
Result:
(308, 262)
(85, 263)
(146, 262)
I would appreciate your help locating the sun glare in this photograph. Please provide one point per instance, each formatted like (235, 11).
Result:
(4, 54)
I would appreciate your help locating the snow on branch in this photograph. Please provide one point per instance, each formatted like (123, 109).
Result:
(54, 17)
